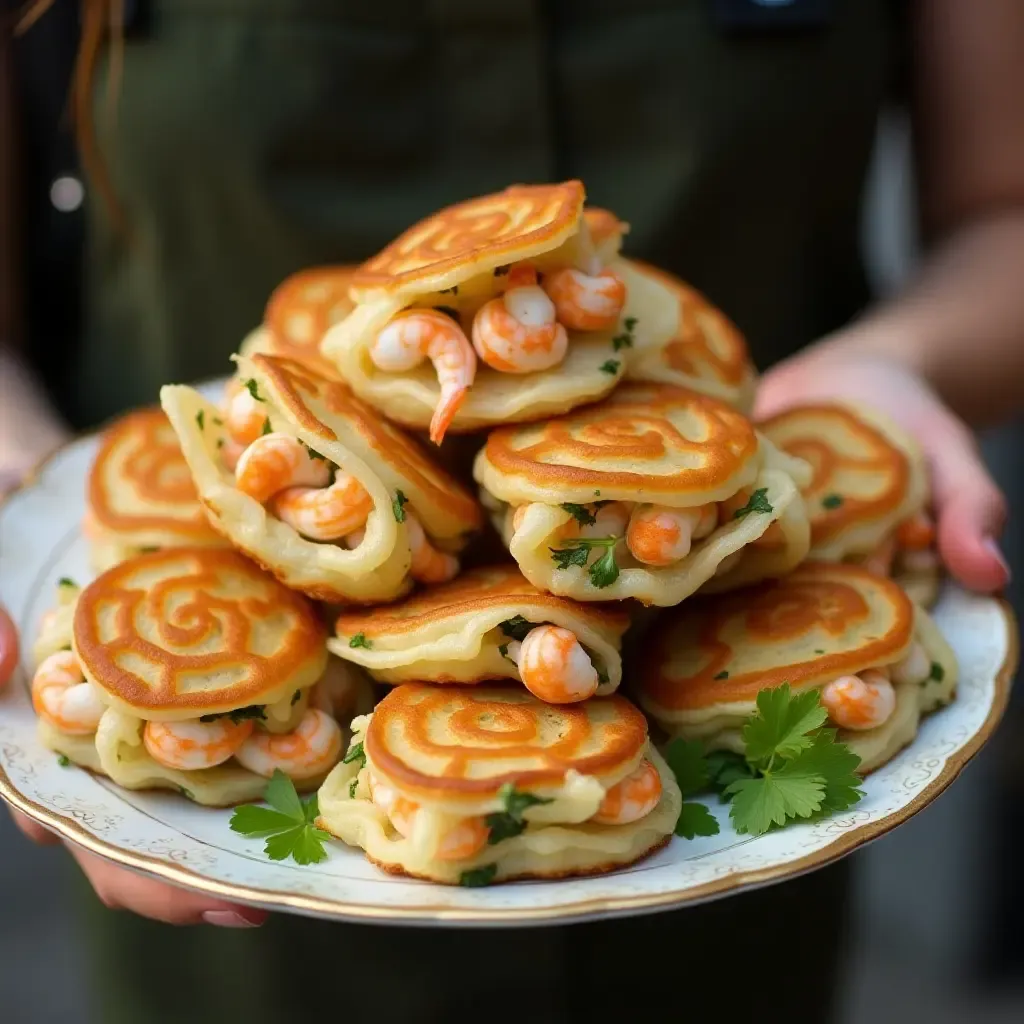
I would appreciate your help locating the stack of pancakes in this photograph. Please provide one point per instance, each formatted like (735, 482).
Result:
(485, 761)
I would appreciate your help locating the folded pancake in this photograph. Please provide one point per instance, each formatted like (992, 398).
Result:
(192, 669)
(139, 493)
(484, 625)
(478, 784)
(879, 661)
(867, 498)
(358, 512)
(704, 351)
(300, 312)
(544, 347)
(649, 495)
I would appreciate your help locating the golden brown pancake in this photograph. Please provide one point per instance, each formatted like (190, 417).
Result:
(177, 634)
(140, 493)
(706, 352)
(453, 633)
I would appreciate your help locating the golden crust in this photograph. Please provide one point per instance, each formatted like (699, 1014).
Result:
(476, 590)
(140, 488)
(466, 743)
(474, 236)
(669, 444)
(821, 621)
(291, 382)
(179, 632)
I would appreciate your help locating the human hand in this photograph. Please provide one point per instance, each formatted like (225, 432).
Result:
(119, 888)
(970, 509)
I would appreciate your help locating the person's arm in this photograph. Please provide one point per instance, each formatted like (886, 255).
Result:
(957, 331)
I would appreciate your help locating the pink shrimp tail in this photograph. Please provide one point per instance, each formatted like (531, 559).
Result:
(444, 413)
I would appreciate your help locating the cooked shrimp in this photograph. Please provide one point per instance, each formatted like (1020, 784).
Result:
(417, 334)
(610, 520)
(311, 749)
(631, 799)
(586, 302)
(429, 564)
(230, 452)
(553, 665)
(916, 533)
(914, 668)
(859, 702)
(191, 746)
(244, 416)
(276, 461)
(324, 513)
(880, 560)
(463, 840)
(661, 536)
(63, 698)
(518, 331)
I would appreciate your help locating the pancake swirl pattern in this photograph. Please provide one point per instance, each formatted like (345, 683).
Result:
(450, 751)
(458, 260)
(453, 633)
(140, 493)
(331, 422)
(709, 659)
(705, 352)
(664, 446)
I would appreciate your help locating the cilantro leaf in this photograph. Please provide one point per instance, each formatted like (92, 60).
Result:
(296, 696)
(304, 844)
(831, 501)
(630, 322)
(239, 715)
(288, 825)
(509, 822)
(605, 571)
(359, 640)
(352, 786)
(580, 513)
(758, 804)
(281, 795)
(503, 650)
(686, 759)
(200, 418)
(63, 760)
(355, 753)
(695, 820)
(478, 877)
(610, 366)
(564, 557)
(724, 768)
(398, 506)
(267, 428)
(515, 628)
(258, 822)
(757, 503)
(782, 723)
(722, 675)
(621, 341)
(66, 581)
(837, 765)
(250, 385)
(937, 673)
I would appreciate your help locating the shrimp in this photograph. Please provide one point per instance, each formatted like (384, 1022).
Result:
(859, 702)
(230, 452)
(880, 560)
(192, 746)
(244, 415)
(463, 840)
(631, 799)
(276, 461)
(417, 334)
(324, 513)
(661, 536)
(553, 665)
(429, 565)
(914, 668)
(312, 748)
(63, 698)
(916, 534)
(586, 302)
(518, 331)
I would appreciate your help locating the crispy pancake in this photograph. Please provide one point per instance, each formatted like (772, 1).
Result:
(869, 476)
(452, 633)
(299, 312)
(452, 749)
(656, 443)
(178, 634)
(708, 660)
(331, 421)
(140, 493)
(706, 351)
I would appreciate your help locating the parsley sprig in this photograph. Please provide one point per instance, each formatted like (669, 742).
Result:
(690, 767)
(510, 822)
(359, 640)
(758, 503)
(288, 824)
(604, 572)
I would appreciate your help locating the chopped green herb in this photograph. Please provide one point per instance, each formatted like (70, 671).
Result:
(937, 674)
(597, 494)
(309, 451)
(454, 290)
(398, 506)
(516, 628)
(509, 822)
(217, 421)
(503, 650)
(502, 270)
(580, 513)
(604, 572)
(449, 311)
(757, 503)
(250, 385)
(288, 825)
(832, 500)
(63, 760)
(148, 550)
(602, 676)
(267, 428)
(187, 793)
(295, 697)
(625, 340)
(478, 877)
(610, 366)
(239, 715)
(724, 768)
(630, 322)
(818, 650)
(66, 581)
(359, 640)
(352, 787)
(220, 442)
(722, 675)
(200, 419)
(355, 753)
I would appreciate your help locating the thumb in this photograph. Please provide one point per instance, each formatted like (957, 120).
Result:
(970, 508)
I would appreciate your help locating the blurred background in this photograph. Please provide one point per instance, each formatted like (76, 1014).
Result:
(936, 935)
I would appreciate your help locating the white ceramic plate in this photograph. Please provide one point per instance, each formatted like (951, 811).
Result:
(165, 836)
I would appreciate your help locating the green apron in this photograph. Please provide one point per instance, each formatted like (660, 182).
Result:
(256, 137)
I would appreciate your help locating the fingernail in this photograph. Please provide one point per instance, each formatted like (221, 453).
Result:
(229, 919)
(992, 548)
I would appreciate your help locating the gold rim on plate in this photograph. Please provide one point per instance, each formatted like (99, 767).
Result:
(275, 899)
